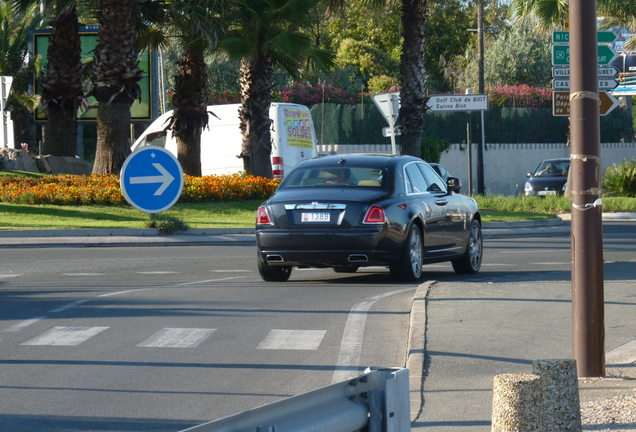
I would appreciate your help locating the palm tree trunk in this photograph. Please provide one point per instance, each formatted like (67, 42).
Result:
(255, 78)
(190, 102)
(413, 92)
(115, 75)
(112, 154)
(61, 131)
(62, 83)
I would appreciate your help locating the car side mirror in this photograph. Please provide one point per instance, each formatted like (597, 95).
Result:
(453, 184)
(528, 174)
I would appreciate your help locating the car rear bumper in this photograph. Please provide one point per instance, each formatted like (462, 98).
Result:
(323, 248)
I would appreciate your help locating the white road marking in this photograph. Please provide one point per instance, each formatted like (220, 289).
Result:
(9, 275)
(624, 354)
(351, 346)
(68, 306)
(293, 339)
(83, 274)
(177, 338)
(232, 271)
(208, 281)
(22, 324)
(65, 336)
(157, 272)
(123, 292)
(518, 251)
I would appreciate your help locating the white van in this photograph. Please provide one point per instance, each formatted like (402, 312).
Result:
(293, 138)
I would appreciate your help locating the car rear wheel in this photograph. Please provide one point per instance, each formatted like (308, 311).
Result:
(273, 273)
(409, 266)
(470, 262)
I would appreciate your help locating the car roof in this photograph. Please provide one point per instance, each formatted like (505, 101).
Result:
(556, 160)
(372, 160)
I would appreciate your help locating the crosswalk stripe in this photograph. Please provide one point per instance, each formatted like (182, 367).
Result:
(177, 338)
(65, 336)
(293, 339)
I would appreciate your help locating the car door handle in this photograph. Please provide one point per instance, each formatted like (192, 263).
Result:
(441, 202)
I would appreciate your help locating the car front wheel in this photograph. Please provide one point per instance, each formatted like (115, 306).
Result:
(470, 262)
(409, 266)
(273, 273)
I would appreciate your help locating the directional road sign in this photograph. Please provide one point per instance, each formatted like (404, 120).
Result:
(603, 84)
(563, 37)
(151, 179)
(561, 55)
(603, 72)
(458, 102)
(561, 103)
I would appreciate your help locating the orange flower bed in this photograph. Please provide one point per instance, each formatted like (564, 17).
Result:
(105, 190)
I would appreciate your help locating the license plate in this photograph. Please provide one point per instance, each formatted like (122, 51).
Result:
(544, 193)
(315, 217)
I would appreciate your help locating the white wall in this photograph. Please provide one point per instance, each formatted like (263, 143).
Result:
(505, 165)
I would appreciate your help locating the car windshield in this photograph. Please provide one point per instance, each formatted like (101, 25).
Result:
(552, 169)
(335, 176)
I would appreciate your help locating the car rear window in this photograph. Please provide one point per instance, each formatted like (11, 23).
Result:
(335, 176)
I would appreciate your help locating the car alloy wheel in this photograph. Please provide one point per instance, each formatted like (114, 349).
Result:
(470, 262)
(409, 267)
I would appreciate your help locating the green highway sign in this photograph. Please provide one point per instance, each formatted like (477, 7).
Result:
(563, 37)
(561, 55)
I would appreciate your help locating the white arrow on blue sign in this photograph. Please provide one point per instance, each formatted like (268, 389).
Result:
(151, 179)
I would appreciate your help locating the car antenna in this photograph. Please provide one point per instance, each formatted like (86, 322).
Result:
(342, 161)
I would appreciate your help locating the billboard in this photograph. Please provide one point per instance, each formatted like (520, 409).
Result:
(140, 111)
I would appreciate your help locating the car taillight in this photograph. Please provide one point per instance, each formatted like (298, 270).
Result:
(262, 217)
(375, 215)
(277, 167)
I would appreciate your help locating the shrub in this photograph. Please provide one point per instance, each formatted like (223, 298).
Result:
(167, 224)
(620, 180)
(105, 190)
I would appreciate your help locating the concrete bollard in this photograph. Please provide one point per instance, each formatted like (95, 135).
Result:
(516, 403)
(560, 388)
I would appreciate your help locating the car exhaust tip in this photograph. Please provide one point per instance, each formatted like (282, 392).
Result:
(358, 258)
(274, 258)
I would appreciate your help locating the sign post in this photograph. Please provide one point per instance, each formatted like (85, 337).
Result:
(151, 179)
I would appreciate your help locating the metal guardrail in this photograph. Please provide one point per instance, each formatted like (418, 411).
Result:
(379, 399)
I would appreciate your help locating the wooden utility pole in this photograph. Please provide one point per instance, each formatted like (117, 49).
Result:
(585, 167)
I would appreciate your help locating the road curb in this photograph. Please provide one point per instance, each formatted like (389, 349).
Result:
(415, 355)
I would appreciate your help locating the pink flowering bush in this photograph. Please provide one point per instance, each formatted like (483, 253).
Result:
(522, 96)
(319, 93)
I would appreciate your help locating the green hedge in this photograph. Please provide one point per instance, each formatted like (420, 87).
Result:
(363, 123)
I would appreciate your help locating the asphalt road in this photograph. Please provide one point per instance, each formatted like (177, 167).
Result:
(163, 338)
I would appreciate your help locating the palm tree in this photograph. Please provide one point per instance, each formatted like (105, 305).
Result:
(62, 90)
(15, 25)
(115, 74)
(412, 76)
(412, 67)
(197, 26)
(264, 34)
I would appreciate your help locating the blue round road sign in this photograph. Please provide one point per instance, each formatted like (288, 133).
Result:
(151, 179)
